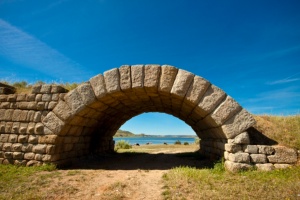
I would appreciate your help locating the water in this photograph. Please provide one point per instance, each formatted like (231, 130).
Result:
(155, 140)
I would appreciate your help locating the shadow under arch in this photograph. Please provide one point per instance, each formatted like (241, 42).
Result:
(93, 112)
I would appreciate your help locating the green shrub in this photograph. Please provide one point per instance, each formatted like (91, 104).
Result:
(197, 140)
(186, 143)
(177, 142)
(122, 144)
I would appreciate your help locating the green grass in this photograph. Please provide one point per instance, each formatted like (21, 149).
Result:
(17, 182)
(216, 183)
(122, 144)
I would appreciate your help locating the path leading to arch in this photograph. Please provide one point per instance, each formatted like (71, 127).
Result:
(126, 176)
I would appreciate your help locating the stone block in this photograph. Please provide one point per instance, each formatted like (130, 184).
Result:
(98, 85)
(40, 106)
(53, 123)
(236, 167)
(86, 92)
(27, 147)
(58, 89)
(17, 147)
(47, 139)
(167, 78)
(3, 98)
(18, 155)
(46, 158)
(151, 79)
(225, 111)
(29, 156)
(22, 138)
(33, 163)
(31, 97)
(265, 167)
(55, 97)
(50, 149)
(20, 162)
(15, 127)
(36, 89)
(38, 97)
(4, 138)
(21, 97)
(37, 116)
(8, 154)
(210, 100)
(74, 101)
(239, 157)
(197, 90)
(6, 146)
(242, 138)
(12, 98)
(39, 129)
(233, 148)
(8, 127)
(5, 105)
(282, 166)
(238, 124)
(23, 128)
(30, 128)
(182, 83)
(112, 80)
(38, 157)
(2, 114)
(251, 149)
(137, 76)
(8, 161)
(13, 138)
(51, 105)
(62, 110)
(8, 115)
(258, 158)
(264, 149)
(45, 89)
(33, 139)
(125, 77)
(46, 97)
(39, 148)
(283, 155)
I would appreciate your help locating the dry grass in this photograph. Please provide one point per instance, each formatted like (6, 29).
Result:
(191, 183)
(283, 129)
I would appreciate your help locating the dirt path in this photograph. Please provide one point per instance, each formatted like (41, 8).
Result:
(124, 176)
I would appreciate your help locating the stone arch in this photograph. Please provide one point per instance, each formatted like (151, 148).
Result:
(86, 119)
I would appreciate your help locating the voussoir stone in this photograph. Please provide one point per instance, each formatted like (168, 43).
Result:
(74, 101)
(167, 78)
(62, 110)
(98, 85)
(112, 80)
(238, 123)
(53, 123)
(182, 83)
(137, 76)
(86, 92)
(151, 80)
(197, 89)
(125, 77)
(242, 138)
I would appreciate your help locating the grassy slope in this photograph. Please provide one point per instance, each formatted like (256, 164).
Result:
(283, 129)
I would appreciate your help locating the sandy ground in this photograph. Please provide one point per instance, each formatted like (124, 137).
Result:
(124, 176)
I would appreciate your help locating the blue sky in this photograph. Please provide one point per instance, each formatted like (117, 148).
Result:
(250, 49)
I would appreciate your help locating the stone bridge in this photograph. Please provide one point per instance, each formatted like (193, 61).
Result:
(52, 125)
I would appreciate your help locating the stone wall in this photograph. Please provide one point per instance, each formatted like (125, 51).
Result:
(53, 125)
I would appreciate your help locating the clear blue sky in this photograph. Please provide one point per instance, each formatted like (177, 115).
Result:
(250, 49)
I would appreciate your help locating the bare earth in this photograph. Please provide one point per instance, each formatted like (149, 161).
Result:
(123, 175)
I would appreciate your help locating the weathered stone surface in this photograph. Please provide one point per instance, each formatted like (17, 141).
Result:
(33, 139)
(86, 92)
(265, 167)
(22, 138)
(62, 110)
(39, 148)
(36, 89)
(283, 155)
(167, 78)
(236, 167)
(74, 101)
(263, 149)
(98, 85)
(137, 76)
(152, 76)
(239, 157)
(211, 99)
(18, 155)
(4, 137)
(242, 138)
(233, 148)
(45, 89)
(58, 89)
(251, 149)
(197, 90)
(23, 128)
(125, 77)
(13, 138)
(29, 156)
(53, 123)
(46, 97)
(112, 80)
(238, 123)
(225, 111)
(182, 83)
(258, 158)
(17, 147)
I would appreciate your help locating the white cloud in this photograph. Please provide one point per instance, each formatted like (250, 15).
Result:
(285, 80)
(28, 51)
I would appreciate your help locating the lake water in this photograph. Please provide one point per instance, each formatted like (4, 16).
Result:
(155, 140)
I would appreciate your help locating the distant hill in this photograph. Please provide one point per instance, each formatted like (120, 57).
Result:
(122, 133)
